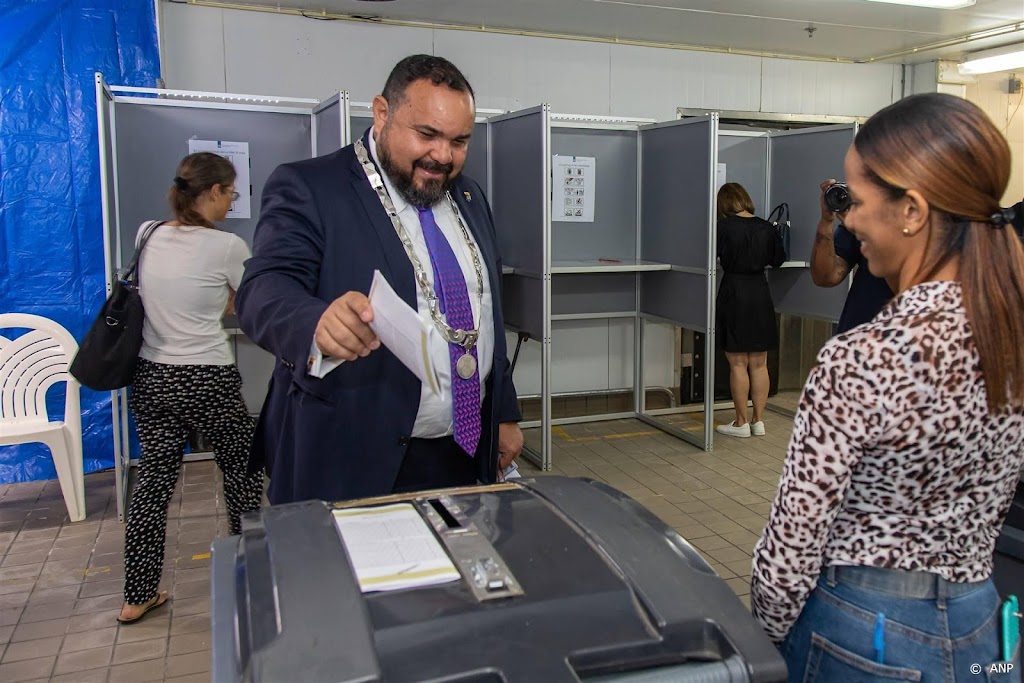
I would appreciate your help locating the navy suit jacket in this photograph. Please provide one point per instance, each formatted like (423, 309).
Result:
(322, 232)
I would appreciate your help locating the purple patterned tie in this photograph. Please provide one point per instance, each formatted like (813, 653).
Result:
(450, 286)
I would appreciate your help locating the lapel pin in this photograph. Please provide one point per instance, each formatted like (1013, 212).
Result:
(468, 197)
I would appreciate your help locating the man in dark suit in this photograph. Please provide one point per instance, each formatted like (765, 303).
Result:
(344, 418)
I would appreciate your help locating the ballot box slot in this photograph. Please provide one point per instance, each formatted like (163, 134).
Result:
(484, 571)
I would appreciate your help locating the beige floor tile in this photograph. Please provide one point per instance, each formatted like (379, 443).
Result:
(189, 642)
(91, 676)
(39, 629)
(31, 649)
(140, 650)
(739, 585)
(710, 543)
(88, 640)
(138, 672)
(27, 670)
(84, 660)
(185, 664)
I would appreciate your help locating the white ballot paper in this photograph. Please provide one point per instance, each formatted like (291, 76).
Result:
(400, 328)
(391, 547)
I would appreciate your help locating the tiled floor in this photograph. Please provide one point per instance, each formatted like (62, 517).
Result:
(61, 583)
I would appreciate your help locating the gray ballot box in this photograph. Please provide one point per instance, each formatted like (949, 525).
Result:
(559, 579)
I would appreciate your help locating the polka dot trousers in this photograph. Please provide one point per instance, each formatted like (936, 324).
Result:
(167, 402)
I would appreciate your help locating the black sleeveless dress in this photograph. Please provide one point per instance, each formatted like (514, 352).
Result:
(745, 315)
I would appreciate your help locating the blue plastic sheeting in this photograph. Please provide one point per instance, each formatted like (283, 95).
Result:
(51, 230)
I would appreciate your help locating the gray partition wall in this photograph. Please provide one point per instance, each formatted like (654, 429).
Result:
(678, 162)
(144, 133)
(330, 124)
(151, 137)
(566, 271)
(745, 155)
(799, 161)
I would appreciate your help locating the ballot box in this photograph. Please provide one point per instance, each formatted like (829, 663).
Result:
(542, 580)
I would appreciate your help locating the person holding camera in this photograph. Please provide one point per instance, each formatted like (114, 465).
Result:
(836, 252)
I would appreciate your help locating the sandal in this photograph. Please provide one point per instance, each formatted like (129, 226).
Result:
(160, 599)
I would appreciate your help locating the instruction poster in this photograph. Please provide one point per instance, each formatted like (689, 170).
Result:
(238, 154)
(574, 187)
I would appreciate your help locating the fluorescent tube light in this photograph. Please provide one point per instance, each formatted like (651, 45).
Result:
(934, 4)
(997, 59)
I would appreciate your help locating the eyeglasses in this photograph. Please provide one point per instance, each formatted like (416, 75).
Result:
(235, 195)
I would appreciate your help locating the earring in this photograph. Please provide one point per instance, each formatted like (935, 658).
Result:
(906, 232)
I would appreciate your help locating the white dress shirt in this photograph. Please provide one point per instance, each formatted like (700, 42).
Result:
(434, 419)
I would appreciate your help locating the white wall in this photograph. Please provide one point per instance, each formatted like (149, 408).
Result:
(989, 92)
(265, 54)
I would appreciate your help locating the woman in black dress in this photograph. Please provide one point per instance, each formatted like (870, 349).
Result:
(745, 319)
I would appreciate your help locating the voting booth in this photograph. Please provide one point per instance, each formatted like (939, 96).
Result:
(145, 132)
(460, 585)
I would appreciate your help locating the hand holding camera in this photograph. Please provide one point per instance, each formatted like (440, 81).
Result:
(835, 199)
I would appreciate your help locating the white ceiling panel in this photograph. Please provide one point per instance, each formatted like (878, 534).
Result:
(844, 29)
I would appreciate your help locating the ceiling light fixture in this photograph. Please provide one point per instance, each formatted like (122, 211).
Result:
(997, 59)
(932, 4)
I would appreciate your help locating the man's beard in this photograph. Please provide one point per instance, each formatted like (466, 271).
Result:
(430, 192)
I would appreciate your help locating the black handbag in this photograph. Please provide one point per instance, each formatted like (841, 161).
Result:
(781, 223)
(108, 354)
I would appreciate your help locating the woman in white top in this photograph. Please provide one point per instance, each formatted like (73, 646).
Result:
(907, 445)
(186, 378)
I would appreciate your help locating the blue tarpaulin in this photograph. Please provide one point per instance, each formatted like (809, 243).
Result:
(51, 230)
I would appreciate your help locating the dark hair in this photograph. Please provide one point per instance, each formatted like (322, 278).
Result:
(196, 174)
(733, 199)
(437, 70)
(948, 150)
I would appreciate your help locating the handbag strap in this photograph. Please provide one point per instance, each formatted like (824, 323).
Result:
(129, 274)
(783, 211)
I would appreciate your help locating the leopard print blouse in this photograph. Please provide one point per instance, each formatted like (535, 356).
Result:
(894, 461)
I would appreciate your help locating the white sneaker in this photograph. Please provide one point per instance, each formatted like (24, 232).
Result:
(732, 430)
(757, 428)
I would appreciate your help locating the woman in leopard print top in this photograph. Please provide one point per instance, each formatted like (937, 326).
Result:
(909, 438)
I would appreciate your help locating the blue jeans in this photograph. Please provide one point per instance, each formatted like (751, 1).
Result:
(934, 630)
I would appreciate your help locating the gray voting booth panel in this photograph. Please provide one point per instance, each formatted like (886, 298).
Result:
(677, 225)
(151, 140)
(612, 234)
(518, 145)
(794, 293)
(329, 128)
(799, 162)
(746, 162)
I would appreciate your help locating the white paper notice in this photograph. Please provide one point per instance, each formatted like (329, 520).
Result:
(573, 188)
(719, 177)
(400, 328)
(391, 547)
(238, 154)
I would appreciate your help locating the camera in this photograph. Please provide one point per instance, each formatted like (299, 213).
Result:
(837, 198)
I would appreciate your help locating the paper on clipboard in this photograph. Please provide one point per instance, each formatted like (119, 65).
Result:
(400, 328)
(391, 547)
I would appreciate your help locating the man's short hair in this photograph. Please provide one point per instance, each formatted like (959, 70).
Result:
(437, 70)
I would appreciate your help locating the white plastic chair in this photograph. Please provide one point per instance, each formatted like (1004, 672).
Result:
(29, 365)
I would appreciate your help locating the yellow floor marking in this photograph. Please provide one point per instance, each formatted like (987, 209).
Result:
(201, 556)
